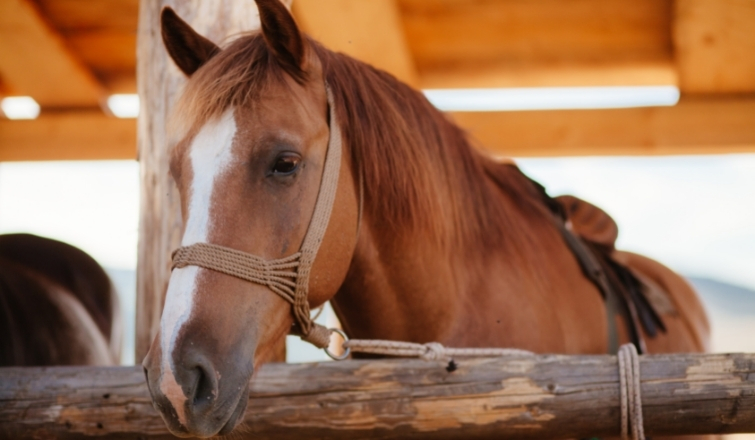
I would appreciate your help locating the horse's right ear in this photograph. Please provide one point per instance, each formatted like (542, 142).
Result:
(282, 36)
(186, 47)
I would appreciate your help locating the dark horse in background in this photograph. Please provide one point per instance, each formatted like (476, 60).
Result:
(57, 305)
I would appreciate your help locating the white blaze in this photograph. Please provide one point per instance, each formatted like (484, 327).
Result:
(210, 154)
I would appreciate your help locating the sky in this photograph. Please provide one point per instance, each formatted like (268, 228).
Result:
(694, 213)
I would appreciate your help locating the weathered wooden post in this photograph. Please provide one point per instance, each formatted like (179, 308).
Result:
(159, 82)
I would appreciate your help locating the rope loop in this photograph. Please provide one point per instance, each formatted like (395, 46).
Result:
(434, 351)
(630, 399)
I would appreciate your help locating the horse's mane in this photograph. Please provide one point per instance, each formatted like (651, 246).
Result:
(419, 171)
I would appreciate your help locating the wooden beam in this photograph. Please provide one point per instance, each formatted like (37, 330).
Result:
(371, 31)
(715, 45)
(540, 43)
(529, 397)
(697, 125)
(550, 75)
(79, 135)
(34, 60)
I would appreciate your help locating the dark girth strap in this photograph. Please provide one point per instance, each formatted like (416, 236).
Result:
(623, 292)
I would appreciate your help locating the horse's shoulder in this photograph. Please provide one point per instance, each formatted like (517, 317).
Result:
(588, 221)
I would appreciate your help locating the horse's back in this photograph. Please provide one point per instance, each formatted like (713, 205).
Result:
(53, 293)
(687, 325)
(672, 297)
(45, 324)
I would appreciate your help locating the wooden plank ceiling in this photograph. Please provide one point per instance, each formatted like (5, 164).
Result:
(71, 54)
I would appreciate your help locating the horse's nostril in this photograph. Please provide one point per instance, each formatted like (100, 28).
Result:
(205, 389)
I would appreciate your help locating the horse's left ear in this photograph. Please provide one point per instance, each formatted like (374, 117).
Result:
(282, 35)
(186, 47)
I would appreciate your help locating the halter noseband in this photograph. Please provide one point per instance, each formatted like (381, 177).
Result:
(288, 277)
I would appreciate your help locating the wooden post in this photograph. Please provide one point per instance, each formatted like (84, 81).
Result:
(526, 397)
(158, 82)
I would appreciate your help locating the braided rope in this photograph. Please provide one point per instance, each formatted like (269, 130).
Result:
(431, 351)
(320, 219)
(631, 401)
(278, 275)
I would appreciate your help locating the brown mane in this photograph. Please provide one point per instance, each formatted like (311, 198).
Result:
(412, 158)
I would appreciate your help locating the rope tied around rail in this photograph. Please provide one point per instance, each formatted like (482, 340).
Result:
(631, 401)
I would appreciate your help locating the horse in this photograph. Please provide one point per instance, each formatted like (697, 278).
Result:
(57, 305)
(427, 238)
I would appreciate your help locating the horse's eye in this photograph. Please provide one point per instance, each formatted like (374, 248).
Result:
(286, 164)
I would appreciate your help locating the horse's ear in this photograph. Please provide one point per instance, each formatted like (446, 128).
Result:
(282, 35)
(186, 47)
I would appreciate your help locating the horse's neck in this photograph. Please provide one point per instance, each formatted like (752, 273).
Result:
(401, 286)
(396, 289)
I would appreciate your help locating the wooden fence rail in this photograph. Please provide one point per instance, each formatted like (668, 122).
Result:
(537, 397)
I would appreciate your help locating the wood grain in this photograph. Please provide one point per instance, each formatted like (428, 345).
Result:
(715, 45)
(35, 61)
(539, 397)
(369, 31)
(514, 37)
(696, 125)
(72, 135)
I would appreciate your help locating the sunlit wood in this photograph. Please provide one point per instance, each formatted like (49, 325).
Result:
(534, 42)
(74, 135)
(715, 45)
(697, 125)
(35, 61)
(575, 75)
(370, 31)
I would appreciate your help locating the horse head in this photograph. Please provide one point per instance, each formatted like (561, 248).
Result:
(252, 131)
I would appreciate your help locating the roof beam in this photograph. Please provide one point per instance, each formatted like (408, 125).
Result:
(697, 125)
(551, 75)
(512, 43)
(34, 60)
(370, 31)
(71, 135)
(715, 45)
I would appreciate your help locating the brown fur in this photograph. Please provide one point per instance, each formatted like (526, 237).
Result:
(452, 246)
(57, 305)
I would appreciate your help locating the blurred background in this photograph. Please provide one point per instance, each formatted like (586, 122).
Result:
(643, 107)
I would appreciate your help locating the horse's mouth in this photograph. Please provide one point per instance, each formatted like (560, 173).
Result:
(236, 416)
(208, 425)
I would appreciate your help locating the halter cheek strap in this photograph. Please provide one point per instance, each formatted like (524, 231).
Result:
(288, 277)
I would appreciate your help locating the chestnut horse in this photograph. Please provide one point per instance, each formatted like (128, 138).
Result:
(57, 305)
(428, 240)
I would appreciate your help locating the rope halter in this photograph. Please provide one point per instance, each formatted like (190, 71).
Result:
(287, 277)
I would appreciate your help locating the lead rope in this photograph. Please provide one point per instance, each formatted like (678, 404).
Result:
(631, 401)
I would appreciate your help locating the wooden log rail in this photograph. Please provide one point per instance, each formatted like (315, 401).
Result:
(536, 397)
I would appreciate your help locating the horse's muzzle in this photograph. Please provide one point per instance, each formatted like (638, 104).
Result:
(190, 397)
